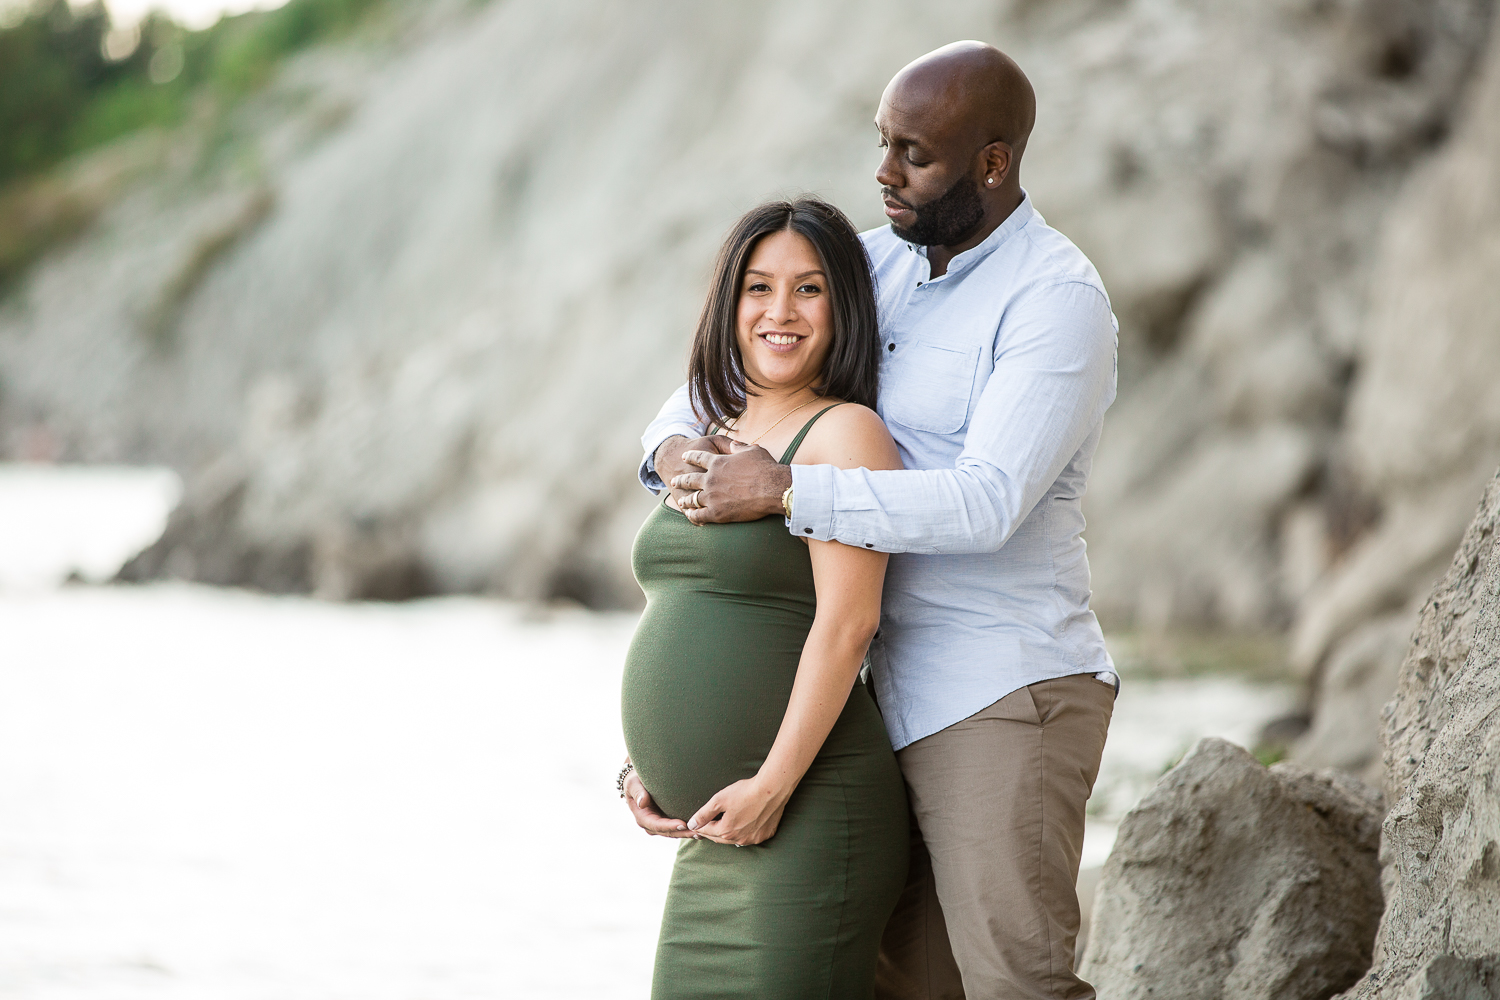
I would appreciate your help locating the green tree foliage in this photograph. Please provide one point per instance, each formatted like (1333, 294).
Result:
(67, 84)
(245, 54)
(50, 65)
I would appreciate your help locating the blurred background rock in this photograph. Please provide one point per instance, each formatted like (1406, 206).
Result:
(395, 284)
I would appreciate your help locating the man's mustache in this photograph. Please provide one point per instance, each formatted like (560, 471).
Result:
(886, 192)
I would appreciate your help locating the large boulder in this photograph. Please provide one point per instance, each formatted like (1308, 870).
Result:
(1442, 752)
(1239, 881)
(400, 320)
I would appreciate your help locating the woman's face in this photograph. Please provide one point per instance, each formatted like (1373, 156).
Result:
(785, 313)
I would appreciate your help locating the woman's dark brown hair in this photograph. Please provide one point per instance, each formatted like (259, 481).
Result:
(716, 372)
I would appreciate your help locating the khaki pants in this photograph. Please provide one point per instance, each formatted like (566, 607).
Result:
(990, 911)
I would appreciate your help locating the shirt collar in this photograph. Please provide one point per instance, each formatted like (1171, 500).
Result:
(1012, 225)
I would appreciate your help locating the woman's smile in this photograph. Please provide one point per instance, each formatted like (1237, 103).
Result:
(781, 342)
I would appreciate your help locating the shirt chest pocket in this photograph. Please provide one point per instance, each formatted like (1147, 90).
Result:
(927, 387)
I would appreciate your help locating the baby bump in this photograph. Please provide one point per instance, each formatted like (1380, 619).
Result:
(706, 685)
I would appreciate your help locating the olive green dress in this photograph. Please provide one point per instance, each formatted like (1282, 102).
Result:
(707, 681)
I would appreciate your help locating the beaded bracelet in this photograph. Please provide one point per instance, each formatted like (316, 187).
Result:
(620, 781)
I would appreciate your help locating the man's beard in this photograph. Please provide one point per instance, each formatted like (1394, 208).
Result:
(948, 219)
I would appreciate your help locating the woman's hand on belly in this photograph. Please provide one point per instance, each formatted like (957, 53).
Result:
(747, 812)
(647, 816)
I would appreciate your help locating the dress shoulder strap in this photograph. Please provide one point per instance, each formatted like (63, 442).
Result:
(791, 449)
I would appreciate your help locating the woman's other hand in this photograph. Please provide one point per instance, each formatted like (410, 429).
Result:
(647, 816)
(748, 812)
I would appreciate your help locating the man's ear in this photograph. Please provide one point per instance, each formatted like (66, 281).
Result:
(998, 158)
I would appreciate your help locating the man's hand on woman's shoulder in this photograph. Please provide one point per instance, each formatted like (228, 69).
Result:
(745, 484)
(671, 452)
(740, 483)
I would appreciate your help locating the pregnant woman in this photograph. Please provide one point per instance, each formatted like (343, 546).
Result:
(742, 711)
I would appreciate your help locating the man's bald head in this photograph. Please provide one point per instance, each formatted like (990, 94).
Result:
(972, 87)
(954, 124)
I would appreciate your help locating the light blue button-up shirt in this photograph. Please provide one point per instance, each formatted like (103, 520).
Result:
(994, 380)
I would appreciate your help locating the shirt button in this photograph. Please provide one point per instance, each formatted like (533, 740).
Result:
(807, 531)
(869, 545)
(890, 347)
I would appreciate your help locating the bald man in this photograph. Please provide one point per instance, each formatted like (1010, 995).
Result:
(998, 362)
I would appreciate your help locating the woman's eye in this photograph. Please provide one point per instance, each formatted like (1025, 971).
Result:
(760, 286)
(810, 289)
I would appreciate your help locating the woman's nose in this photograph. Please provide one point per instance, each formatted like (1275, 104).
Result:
(784, 308)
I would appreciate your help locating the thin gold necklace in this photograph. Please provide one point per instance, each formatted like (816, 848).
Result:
(779, 419)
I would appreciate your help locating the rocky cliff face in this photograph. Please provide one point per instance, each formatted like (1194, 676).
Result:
(401, 325)
(1423, 430)
(1224, 493)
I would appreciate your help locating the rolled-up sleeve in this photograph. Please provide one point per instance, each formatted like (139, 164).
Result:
(676, 417)
(1054, 377)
